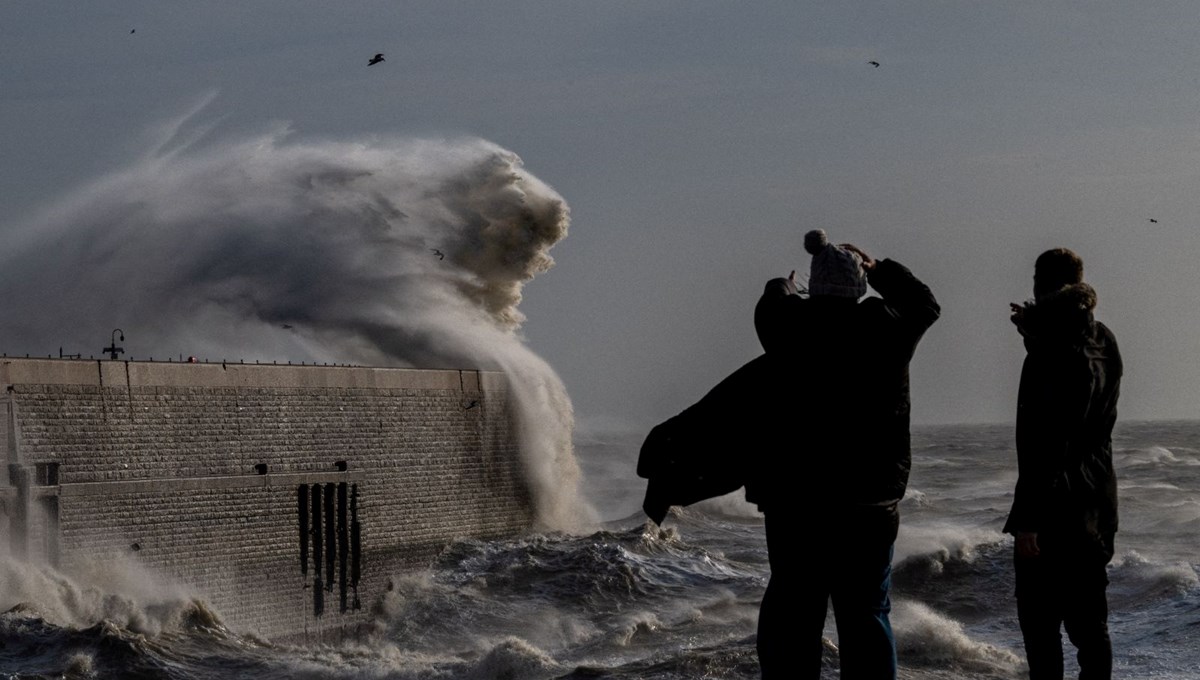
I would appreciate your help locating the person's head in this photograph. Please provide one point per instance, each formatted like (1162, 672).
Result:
(836, 272)
(1055, 269)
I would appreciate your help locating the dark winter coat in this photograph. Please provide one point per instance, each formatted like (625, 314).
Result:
(1066, 408)
(821, 417)
(702, 452)
(844, 364)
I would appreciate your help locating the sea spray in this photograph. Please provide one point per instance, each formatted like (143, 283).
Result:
(115, 589)
(389, 252)
(1137, 580)
(925, 637)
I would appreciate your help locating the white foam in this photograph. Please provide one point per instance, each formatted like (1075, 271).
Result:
(925, 637)
(731, 505)
(80, 665)
(513, 658)
(942, 540)
(1156, 455)
(1137, 576)
(117, 590)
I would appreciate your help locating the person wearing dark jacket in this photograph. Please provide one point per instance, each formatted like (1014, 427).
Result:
(1064, 512)
(833, 485)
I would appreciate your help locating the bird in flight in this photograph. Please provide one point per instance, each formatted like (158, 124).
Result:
(440, 254)
(874, 63)
(1152, 220)
(376, 59)
(287, 326)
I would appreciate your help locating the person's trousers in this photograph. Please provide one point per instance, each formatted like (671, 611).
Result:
(1057, 590)
(849, 565)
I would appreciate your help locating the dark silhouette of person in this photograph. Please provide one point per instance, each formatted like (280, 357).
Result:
(830, 486)
(1064, 512)
(817, 432)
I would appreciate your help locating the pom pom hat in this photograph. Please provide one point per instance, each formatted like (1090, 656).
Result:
(836, 272)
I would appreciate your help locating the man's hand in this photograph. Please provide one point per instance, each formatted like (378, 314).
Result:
(1027, 545)
(1017, 316)
(868, 262)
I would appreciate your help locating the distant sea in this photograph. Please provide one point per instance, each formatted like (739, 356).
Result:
(631, 600)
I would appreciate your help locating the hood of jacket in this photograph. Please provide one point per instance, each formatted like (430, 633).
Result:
(1064, 315)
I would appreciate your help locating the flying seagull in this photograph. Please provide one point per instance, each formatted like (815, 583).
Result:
(874, 63)
(1152, 220)
(376, 59)
(287, 326)
(440, 254)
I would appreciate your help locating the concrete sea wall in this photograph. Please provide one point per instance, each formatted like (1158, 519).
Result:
(286, 495)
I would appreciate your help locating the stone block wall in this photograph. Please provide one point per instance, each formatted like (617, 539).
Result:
(218, 476)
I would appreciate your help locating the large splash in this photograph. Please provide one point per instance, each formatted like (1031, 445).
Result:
(115, 590)
(393, 252)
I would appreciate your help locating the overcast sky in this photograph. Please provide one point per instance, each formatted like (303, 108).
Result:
(695, 143)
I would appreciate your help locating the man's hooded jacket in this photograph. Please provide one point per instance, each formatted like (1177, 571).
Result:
(1066, 408)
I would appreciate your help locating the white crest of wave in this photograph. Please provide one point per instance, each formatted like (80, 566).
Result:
(514, 658)
(115, 590)
(1157, 455)
(924, 637)
(395, 252)
(80, 665)
(509, 658)
(942, 541)
(1137, 578)
(358, 661)
(731, 505)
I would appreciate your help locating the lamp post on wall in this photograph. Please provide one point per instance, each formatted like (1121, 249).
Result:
(112, 349)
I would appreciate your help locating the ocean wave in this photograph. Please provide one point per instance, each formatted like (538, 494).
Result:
(1137, 582)
(926, 638)
(613, 562)
(915, 498)
(504, 658)
(385, 252)
(730, 505)
(597, 596)
(1157, 455)
(971, 579)
(117, 590)
(938, 542)
(34, 646)
(514, 658)
(729, 658)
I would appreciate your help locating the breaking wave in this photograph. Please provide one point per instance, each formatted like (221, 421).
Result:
(389, 251)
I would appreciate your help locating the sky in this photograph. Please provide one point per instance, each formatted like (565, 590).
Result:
(695, 143)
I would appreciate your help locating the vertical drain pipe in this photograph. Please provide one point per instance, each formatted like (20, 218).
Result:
(330, 536)
(302, 519)
(343, 539)
(355, 545)
(318, 596)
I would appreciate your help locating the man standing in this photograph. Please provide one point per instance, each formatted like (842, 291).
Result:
(830, 490)
(1064, 512)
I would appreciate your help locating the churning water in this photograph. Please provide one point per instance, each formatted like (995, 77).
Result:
(630, 600)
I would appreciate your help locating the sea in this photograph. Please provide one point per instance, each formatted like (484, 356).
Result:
(629, 599)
